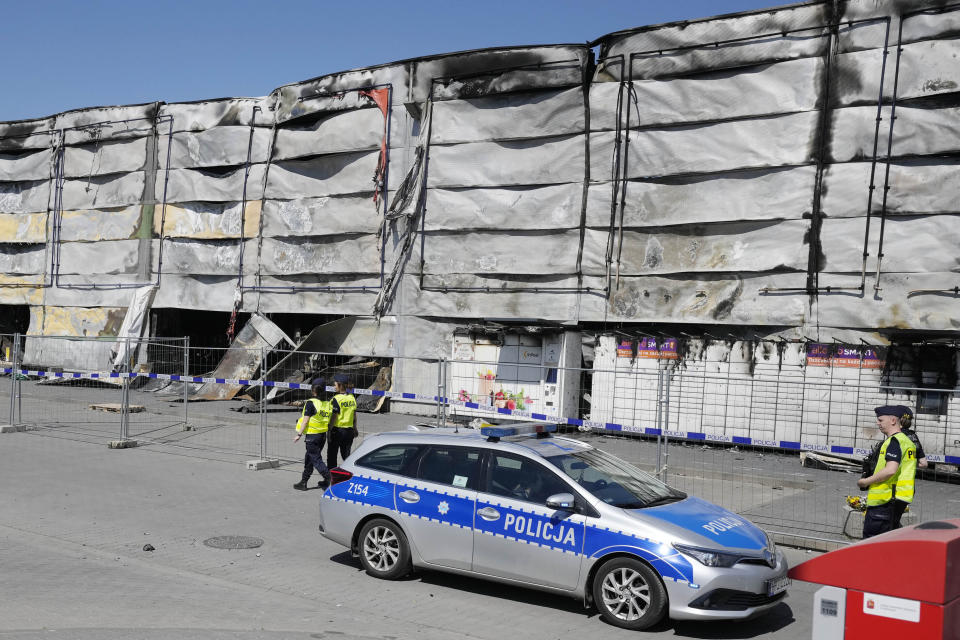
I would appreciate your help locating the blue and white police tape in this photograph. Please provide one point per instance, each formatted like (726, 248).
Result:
(690, 436)
(107, 375)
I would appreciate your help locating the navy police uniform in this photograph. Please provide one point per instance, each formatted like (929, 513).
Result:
(313, 425)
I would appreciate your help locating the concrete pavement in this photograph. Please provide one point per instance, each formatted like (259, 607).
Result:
(76, 516)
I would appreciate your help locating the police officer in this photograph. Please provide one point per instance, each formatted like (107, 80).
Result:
(906, 426)
(313, 425)
(343, 421)
(906, 422)
(890, 485)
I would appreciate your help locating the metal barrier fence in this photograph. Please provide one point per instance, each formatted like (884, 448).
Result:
(371, 377)
(780, 450)
(83, 385)
(244, 401)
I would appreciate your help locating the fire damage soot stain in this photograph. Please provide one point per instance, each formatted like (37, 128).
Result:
(939, 85)
(654, 254)
(725, 307)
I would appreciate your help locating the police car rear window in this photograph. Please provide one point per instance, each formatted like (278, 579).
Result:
(454, 466)
(392, 458)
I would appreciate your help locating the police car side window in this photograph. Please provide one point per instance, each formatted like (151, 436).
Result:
(393, 458)
(454, 466)
(523, 479)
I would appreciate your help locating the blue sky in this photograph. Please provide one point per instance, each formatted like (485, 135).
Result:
(61, 54)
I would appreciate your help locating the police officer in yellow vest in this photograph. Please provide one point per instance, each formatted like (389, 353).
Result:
(890, 486)
(343, 421)
(313, 425)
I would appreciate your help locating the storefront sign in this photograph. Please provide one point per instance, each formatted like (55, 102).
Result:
(838, 355)
(664, 348)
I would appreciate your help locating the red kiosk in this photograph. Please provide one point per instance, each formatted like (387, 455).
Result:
(901, 584)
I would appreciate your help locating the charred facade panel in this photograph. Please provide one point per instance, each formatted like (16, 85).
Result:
(505, 151)
(792, 167)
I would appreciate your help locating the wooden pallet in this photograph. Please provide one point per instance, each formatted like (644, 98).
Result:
(116, 407)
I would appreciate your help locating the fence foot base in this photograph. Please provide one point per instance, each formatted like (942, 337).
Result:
(257, 465)
(122, 444)
(186, 427)
(12, 428)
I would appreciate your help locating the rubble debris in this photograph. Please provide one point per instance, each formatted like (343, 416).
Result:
(242, 359)
(116, 407)
(820, 461)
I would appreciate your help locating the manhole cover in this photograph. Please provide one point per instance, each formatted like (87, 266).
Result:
(233, 542)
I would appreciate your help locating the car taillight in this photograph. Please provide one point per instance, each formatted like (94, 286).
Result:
(338, 475)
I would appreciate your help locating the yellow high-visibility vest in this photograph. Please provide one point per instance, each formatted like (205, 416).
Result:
(900, 485)
(348, 405)
(320, 420)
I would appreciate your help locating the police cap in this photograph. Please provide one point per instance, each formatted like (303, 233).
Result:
(896, 410)
(318, 383)
(342, 378)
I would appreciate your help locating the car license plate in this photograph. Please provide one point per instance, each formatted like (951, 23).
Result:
(777, 585)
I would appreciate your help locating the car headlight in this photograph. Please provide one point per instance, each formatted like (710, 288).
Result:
(709, 557)
(771, 545)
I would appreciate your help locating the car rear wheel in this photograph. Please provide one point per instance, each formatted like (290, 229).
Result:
(384, 552)
(629, 594)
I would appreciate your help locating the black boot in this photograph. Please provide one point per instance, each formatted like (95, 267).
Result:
(300, 486)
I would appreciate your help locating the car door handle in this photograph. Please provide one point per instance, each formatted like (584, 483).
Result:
(409, 496)
(488, 513)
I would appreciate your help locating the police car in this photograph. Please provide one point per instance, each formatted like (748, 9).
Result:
(518, 505)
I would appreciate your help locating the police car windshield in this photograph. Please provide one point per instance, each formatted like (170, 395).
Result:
(614, 481)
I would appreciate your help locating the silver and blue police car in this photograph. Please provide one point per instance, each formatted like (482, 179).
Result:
(518, 505)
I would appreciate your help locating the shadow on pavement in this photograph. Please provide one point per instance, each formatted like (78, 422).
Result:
(769, 623)
(504, 591)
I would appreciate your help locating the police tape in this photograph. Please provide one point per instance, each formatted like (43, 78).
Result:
(689, 436)
(106, 375)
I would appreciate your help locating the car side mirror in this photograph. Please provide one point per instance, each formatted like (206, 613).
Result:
(561, 502)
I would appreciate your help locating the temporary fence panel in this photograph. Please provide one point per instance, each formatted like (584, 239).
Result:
(72, 384)
(229, 420)
(719, 431)
(156, 407)
(524, 373)
(369, 378)
(285, 405)
(417, 381)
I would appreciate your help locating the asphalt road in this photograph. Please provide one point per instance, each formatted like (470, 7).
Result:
(798, 505)
(77, 515)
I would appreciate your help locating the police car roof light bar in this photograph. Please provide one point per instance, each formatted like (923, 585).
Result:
(494, 433)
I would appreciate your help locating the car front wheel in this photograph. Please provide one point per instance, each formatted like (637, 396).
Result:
(384, 552)
(629, 594)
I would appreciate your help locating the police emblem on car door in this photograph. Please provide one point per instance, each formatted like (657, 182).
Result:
(516, 535)
(437, 504)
